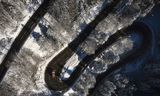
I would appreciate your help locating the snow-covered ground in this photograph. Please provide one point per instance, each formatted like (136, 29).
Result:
(10, 33)
(26, 74)
(43, 44)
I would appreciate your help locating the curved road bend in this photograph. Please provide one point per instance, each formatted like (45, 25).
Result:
(149, 26)
(88, 59)
(57, 63)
